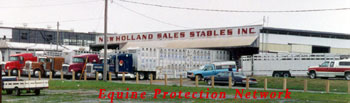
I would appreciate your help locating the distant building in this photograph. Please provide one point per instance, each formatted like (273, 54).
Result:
(14, 40)
(46, 36)
(241, 40)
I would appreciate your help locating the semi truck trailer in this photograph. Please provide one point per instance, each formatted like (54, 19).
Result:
(161, 61)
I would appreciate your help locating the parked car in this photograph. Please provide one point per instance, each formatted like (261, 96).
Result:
(212, 69)
(223, 78)
(331, 69)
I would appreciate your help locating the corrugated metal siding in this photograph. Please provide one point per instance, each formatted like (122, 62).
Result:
(47, 37)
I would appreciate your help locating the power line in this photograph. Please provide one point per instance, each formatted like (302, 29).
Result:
(234, 11)
(61, 4)
(154, 19)
(48, 22)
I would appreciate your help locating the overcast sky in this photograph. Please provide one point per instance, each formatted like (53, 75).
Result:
(87, 15)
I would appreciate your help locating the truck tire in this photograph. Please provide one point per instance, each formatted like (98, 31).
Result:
(53, 74)
(14, 72)
(18, 92)
(347, 76)
(36, 73)
(9, 91)
(233, 83)
(209, 82)
(141, 76)
(37, 91)
(200, 77)
(77, 75)
(100, 76)
(312, 75)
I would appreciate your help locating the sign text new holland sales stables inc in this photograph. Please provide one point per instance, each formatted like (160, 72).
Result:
(183, 34)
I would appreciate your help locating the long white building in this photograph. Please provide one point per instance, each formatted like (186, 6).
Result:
(242, 40)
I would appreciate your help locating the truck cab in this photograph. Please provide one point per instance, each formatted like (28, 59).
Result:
(212, 69)
(79, 62)
(45, 65)
(331, 69)
(17, 61)
(111, 61)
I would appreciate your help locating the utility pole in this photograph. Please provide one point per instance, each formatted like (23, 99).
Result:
(1, 83)
(57, 36)
(262, 36)
(105, 44)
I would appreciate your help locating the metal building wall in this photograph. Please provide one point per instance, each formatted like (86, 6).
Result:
(47, 37)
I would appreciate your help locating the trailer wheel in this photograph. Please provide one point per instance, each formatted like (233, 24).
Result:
(148, 77)
(347, 76)
(286, 74)
(154, 76)
(141, 76)
(18, 92)
(9, 91)
(276, 74)
(37, 91)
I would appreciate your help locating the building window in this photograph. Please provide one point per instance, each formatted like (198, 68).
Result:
(24, 36)
(79, 42)
(66, 41)
(49, 38)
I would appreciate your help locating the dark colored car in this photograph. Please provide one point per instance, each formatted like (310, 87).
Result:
(223, 77)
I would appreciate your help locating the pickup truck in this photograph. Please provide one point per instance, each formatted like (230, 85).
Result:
(29, 85)
(212, 69)
(11, 78)
(330, 69)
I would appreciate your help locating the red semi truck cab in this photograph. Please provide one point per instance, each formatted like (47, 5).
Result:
(331, 69)
(78, 63)
(17, 62)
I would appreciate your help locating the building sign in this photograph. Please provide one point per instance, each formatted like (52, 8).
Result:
(183, 34)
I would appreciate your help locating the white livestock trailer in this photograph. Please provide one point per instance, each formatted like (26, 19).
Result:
(286, 64)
